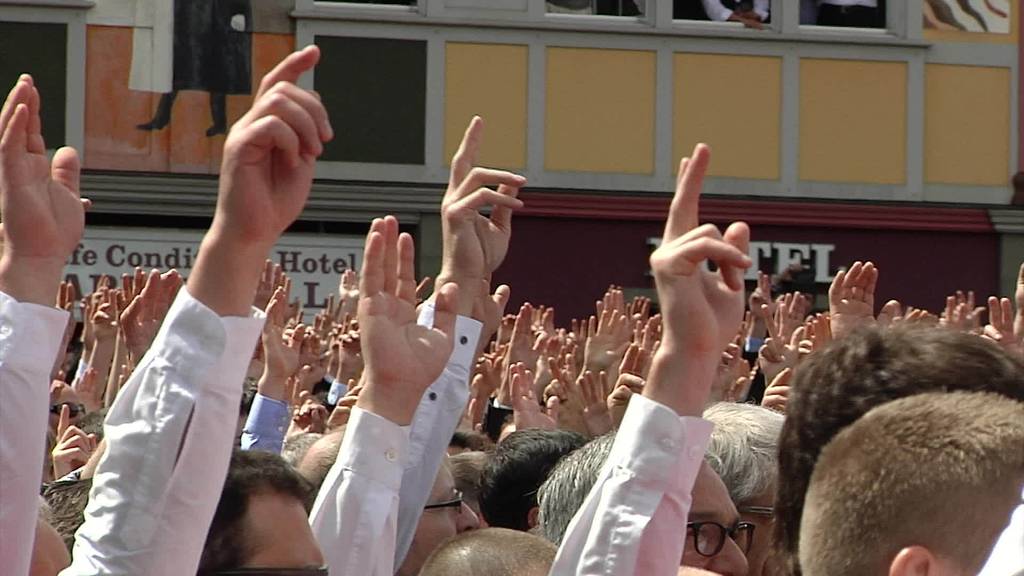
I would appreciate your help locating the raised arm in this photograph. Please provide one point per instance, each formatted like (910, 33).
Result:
(634, 520)
(171, 430)
(43, 219)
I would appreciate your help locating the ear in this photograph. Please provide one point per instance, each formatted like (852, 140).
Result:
(533, 517)
(914, 561)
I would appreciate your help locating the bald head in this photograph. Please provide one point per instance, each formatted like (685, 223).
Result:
(492, 552)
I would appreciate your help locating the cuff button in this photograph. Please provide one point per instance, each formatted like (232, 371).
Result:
(463, 340)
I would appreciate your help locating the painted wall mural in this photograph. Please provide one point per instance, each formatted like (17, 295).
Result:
(989, 16)
(180, 73)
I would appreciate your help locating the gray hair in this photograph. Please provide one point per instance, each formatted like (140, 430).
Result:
(565, 489)
(295, 447)
(744, 448)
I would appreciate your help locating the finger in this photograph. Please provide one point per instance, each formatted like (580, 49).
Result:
(501, 216)
(406, 268)
(501, 297)
(36, 145)
(995, 312)
(15, 138)
(19, 94)
(390, 255)
(273, 132)
(553, 406)
(371, 279)
(737, 234)
(312, 105)
(480, 197)
(683, 212)
(290, 69)
(279, 105)
(63, 420)
(465, 156)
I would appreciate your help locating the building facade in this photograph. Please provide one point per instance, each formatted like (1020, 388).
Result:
(897, 143)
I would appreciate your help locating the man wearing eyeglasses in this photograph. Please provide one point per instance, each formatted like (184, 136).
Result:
(716, 538)
(444, 516)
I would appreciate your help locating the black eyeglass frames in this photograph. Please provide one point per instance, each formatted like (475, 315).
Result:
(455, 502)
(709, 537)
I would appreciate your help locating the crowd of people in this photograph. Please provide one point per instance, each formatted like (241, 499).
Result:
(211, 426)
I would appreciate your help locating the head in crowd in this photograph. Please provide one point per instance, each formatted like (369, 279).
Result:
(66, 501)
(743, 452)
(297, 446)
(565, 489)
(467, 471)
(836, 386)
(492, 552)
(49, 554)
(92, 423)
(919, 486)
(467, 441)
(262, 518)
(320, 457)
(517, 468)
(569, 483)
(444, 517)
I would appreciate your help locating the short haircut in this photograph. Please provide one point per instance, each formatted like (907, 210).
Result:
(491, 552)
(296, 446)
(473, 441)
(867, 368)
(941, 470)
(67, 500)
(566, 488)
(320, 457)
(250, 474)
(467, 470)
(517, 468)
(744, 448)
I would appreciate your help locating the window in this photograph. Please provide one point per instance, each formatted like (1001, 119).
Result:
(750, 13)
(599, 7)
(843, 13)
(39, 49)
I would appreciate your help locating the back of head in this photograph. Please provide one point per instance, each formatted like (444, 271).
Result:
(251, 474)
(67, 501)
(940, 472)
(296, 446)
(563, 493)
(320, 457)
(870, 367)
(744, 448)
(491, 552)
(517, 468)
(468, 471)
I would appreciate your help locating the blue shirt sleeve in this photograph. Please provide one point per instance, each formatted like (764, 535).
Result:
(266, 425)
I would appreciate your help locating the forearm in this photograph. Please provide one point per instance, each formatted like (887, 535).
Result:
(100, 359)
(120, 357)
(29, 339)
(227, 273)
(30, 280)
(173, 427)
(681, 379)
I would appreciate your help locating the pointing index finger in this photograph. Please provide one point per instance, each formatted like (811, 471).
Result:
(291, 68)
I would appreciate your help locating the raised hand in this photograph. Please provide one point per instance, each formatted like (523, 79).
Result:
(527, 412)
(402, 358)
(141, 320)
(43, 214)
(521, 349)
(593, 391)
(1000, 326)
(269, 159)
(74, 447)
(475, 245)
(608, 338)
(89, 390)
(271, 279)
(348, 293)
(962, 314)
(702, 310)
(1018, 320)
(618, 400)
(280, 349)
(851, 298)
(776, 395)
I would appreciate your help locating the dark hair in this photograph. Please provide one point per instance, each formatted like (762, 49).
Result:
(251, 473)
(491, 551)
(67, 500)
(472, 441)
(517, 468)
(870, 367)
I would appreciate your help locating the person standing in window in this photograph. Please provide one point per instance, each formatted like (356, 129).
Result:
(851, 14)
(750, 13)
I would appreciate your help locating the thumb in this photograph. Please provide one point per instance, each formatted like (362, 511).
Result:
(66, 168)
(553, 406)
(445, 306)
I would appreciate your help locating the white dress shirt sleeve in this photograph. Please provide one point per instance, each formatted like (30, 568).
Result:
(435, 421)
(633, 521)
(356, 512)
(169, 439)
(30, 337)
(716, 11)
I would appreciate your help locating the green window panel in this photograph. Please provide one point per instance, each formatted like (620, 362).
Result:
(40, 50)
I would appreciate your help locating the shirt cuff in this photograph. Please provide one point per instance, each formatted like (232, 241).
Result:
(375, 448)
(655, 443)
(467, 336)
(266, 425)
(337, 392)
(30, 334)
